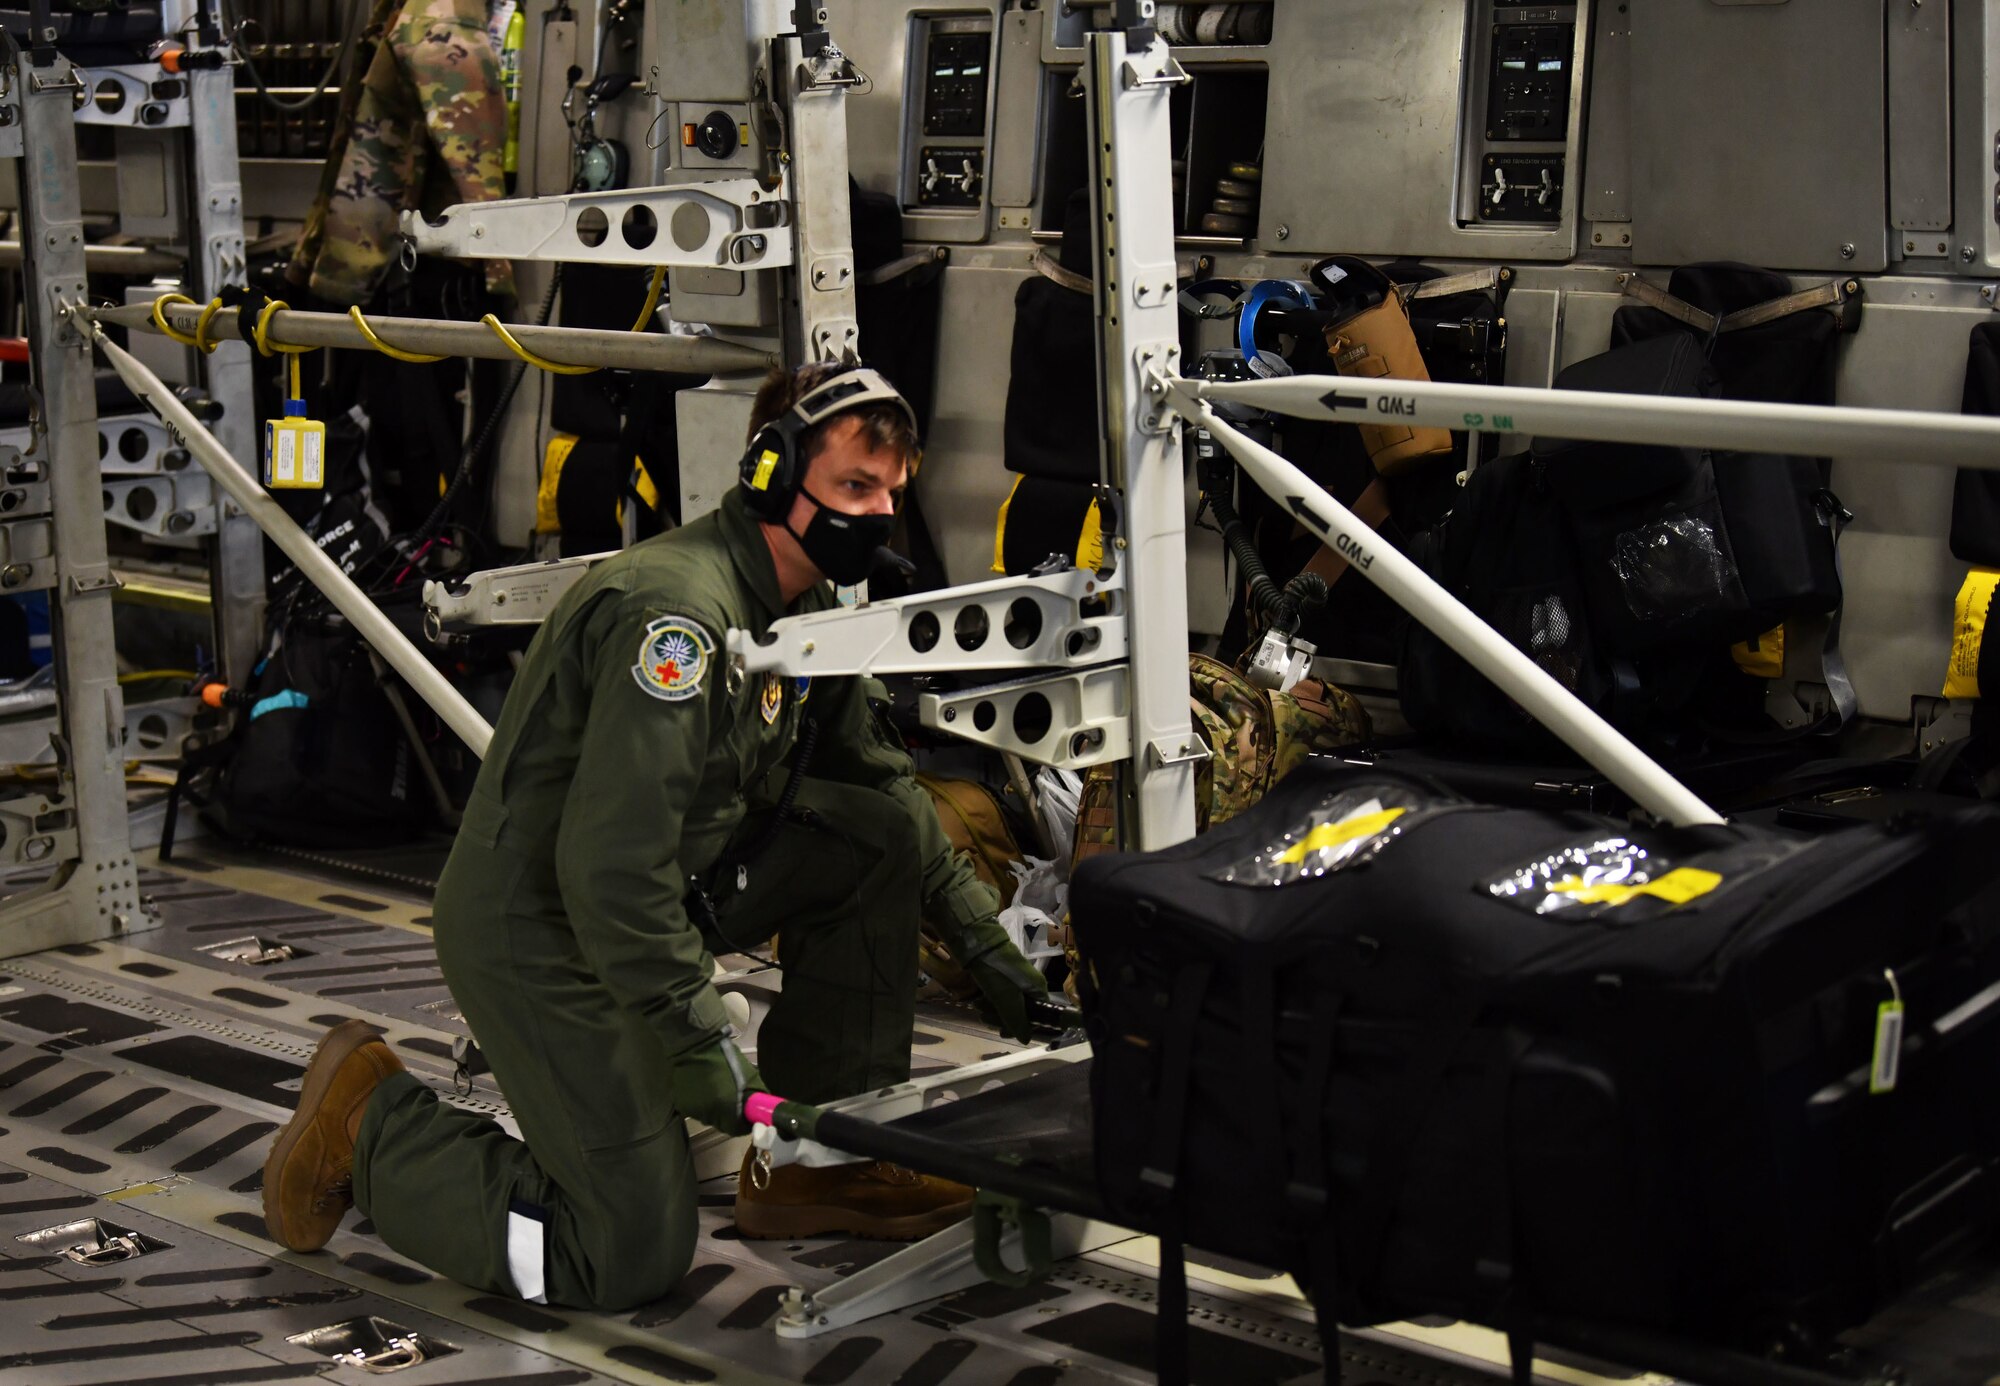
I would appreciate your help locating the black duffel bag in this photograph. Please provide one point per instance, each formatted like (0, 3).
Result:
(320, 759)
(1525, 1067)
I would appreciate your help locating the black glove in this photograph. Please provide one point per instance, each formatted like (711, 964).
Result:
(1007, 984)
(710, 1085)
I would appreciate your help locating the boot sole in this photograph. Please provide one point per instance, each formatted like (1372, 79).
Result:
(760, 1222)
(334, 1048)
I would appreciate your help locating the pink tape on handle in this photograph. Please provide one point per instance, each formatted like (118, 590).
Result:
(759, 1107)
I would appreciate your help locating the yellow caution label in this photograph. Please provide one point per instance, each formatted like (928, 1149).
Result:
(1334, 834)
(760, 480)
(1677, 887)
(1763, 657)
(1968, 630)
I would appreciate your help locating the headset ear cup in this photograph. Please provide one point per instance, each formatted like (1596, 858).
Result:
(766, 473)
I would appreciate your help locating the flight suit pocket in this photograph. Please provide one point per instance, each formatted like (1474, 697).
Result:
(483, 819)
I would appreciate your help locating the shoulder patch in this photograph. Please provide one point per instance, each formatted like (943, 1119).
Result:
(674, 655)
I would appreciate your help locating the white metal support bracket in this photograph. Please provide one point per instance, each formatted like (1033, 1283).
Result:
(939, 1265)
(1068, 720)
(522, 595)
(1068, 620)
(729, 223)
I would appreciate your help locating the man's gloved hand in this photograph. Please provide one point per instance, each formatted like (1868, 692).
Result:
(1007, 983)
(711, 1083)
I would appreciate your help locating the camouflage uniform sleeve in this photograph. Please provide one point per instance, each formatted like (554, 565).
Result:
(377, 169)
(855, 748)
(434, 85)
(447, 51)
(656, 702)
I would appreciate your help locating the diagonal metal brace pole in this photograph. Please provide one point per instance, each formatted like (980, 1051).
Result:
(1411, 588)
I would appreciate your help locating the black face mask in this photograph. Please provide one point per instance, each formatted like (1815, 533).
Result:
(847, 548)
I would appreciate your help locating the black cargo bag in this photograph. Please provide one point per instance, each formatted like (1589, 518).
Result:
(321, 759)
(1525, 1067)
(1506, 556)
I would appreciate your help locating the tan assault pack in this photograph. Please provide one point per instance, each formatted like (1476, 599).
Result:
(979, 831)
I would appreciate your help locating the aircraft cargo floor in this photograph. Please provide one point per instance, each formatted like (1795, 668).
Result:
(140, 1083)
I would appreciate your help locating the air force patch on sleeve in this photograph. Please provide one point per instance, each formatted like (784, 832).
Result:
(674, 656)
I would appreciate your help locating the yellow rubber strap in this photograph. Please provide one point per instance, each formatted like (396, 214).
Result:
(415, 358)
(262, 333)
(540, 363)
(201, 338)
(160, 305)
(652, 299)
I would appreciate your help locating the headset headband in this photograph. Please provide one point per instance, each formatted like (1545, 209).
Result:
(854, 388)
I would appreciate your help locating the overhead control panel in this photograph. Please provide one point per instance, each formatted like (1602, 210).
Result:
(948, 112)
(1527, 78)
(1520, 77)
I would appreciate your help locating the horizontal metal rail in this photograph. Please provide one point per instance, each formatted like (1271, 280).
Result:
(1805, 430)
(110, 259)
(569, 346)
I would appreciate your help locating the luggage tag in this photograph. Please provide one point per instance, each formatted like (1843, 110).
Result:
(1888, 1060)
(294, 446)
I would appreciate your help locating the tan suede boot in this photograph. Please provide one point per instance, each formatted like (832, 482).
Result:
(308, 1175)
(877, 1200)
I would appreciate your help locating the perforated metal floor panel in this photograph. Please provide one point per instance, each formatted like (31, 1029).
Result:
(140, 1084)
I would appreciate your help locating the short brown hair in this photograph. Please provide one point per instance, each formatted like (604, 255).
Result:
(884, 425)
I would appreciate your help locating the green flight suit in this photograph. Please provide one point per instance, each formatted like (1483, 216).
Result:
(622, 767)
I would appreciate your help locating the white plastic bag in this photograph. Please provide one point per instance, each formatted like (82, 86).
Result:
(1040, 899)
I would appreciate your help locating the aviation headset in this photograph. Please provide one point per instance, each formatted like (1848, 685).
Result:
(773, 469)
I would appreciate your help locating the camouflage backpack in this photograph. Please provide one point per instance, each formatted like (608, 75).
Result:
(978, 826)
(1255, 738)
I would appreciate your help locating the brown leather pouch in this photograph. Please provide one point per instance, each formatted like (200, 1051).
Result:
(1377, 344)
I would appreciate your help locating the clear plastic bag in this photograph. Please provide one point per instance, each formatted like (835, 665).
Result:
(1617, 875)
(1673, 568)
(1342, 830)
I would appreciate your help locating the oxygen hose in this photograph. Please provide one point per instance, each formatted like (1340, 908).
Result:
(1276, 603)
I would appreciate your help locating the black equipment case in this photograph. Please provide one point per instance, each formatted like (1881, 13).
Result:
(1529, 1067)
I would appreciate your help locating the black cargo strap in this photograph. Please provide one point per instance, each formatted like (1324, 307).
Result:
(1161, 1173)
(1047, 266)
(1306, 1191)
(1834, 295)
(1491, 280)
(920, 269)
(1833, 664)
(1402, 1118)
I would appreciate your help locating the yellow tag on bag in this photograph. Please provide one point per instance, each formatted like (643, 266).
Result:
(1887, 1061)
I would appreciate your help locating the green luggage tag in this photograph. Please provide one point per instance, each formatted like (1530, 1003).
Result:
(1888, 1061)
(294, 446)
